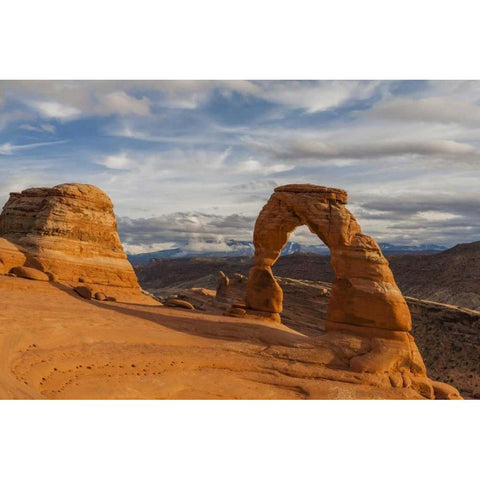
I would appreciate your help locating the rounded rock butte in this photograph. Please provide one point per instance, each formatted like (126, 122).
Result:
(69, 231)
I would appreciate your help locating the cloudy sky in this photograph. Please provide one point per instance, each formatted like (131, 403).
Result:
(188, 163)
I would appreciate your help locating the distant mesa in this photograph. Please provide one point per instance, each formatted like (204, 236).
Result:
(69, 232)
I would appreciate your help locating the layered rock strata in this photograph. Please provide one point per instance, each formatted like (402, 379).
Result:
(69, 231)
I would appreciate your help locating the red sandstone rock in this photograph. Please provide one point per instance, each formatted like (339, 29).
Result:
(368, 319)
(231, 289)
(364, 292)
(100, 296)
(11, 255)
(222, 286)
(70, 231)
(236, 312)
(84, 291)
(444, 391)
(30, 273)
(174, 302)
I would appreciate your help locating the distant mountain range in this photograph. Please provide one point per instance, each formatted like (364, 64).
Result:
(240, 248)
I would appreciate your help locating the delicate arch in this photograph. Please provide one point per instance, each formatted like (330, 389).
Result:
(364, 292)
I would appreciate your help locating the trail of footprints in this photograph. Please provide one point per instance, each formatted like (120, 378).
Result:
(56, 373)
(36, 367)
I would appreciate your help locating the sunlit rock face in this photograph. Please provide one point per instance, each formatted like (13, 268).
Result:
(364, 290)
(368, 320)
(69, 231)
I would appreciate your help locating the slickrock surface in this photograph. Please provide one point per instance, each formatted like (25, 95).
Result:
(365, 306)
(69, 231)
(447, 336)
(80, 349)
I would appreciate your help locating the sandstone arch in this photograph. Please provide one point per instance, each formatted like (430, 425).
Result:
(364, 292)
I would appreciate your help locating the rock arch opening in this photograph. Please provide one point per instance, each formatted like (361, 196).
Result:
(310, 261)
(364, 292)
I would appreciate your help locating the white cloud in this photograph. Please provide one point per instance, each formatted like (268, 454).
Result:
(8, 149)
(8, 117)
(254, 166)
(68, 99)
(117, 162)
(190, 230)
(44, 127)
(432, 109)
(418, 138)
(311, 149)
(190, 94)
(123, 104)
(316, 96)
(306, 95)
(175, 162)
(434, 216)
(56, 110)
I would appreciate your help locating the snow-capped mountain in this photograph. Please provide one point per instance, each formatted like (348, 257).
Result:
(243, 248)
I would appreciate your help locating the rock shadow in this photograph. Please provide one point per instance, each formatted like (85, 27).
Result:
(253, 333)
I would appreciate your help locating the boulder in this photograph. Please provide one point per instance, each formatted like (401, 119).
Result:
(84, 291)
(30, 273)
(174, 302)
(100, 296)
(52, 277)
(231, 289)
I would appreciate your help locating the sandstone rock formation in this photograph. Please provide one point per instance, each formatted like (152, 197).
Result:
(368, 319)
(230, 288)
(176, 303)
(222, 287)
(84, 291)
(30, 273)
(57, 345)
(364, 291)
(68, 231)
